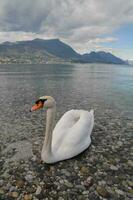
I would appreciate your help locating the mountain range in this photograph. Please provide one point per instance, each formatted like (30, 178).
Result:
(50, 51)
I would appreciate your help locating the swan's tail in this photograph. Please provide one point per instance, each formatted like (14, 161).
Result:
(92, 112)
(92, 120)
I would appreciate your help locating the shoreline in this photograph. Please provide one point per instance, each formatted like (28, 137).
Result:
(67, 62)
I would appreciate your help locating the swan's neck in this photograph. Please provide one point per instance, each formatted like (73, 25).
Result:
(47, 146)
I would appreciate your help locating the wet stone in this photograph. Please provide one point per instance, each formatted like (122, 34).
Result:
(27, 197)
(8, 186)
(120, 192)
(68, 184)
(131, 191)
(14, 194)
(88, 182)
(38, 190)
(29, 178)
(13, 188)
(65, 172)
(80, 187)
(130, 183)
(1, 182)
(102, 192)
(112, 167)
(19, 183)
(84, 170)
(130, 163)
(1, 191)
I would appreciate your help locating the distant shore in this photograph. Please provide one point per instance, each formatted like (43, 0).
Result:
(56, 62)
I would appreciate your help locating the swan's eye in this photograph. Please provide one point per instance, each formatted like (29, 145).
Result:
(40, 100)
(37, 102)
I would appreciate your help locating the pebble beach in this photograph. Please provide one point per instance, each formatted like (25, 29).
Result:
(103, 171)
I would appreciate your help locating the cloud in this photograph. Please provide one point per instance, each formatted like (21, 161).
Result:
(96, 44)
(19, 35)
(103, 40)
(77, 22)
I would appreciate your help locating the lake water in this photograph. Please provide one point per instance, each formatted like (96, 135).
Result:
(80, 86)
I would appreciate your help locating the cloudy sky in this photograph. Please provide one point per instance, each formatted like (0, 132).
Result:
(86, 25)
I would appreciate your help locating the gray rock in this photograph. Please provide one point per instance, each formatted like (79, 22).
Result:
(1, 182)
(112, 167)
(88, 182)
(102, 192)
(120, 192)
(119, 143)
(130, 163)
(85, 192)
(8, 186)
(80, 187)
(29, 178)
(68, 184)
(14, 194)
(12, 188)
(1, 191)
(38, 190)
(65, 172)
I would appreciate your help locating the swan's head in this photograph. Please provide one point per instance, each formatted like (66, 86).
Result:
(44, 101)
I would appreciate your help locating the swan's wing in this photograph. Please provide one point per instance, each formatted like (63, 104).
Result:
(72, 132)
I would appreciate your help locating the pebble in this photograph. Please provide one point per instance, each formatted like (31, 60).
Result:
(13, 188)
(102, 192)
(84, 170)
(131, 191)
(65, 172)
(112, 167)
(80, 187)
(119, 143)
(14, 194)
(19, 183)
(102, 182)
(27, 197)
(68, 184)
(88, 182)
(120, 192)
(130, 163)
(85, 192)
(2, 191)
(130, 183)
(38, 190)
(1, 182)
(8, 186)
(29, 178)
(34, 158)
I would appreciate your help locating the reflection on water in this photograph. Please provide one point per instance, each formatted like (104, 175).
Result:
(73, 86)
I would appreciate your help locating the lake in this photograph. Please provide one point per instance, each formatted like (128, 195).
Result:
(73, 86)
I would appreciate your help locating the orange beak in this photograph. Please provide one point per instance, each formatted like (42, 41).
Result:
(37, 106)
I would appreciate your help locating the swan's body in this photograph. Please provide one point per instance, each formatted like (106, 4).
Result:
(70, 136)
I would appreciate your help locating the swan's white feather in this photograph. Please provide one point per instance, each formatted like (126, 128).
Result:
(71, 134)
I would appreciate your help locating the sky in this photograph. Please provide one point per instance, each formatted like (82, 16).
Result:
(86, 25)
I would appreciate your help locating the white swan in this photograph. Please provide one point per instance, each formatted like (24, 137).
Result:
(71, 134)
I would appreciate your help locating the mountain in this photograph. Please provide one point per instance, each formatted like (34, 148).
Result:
(57, 48)
(52, 51)
(102, 57)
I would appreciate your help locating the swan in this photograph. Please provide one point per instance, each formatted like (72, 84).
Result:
(71, 134)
